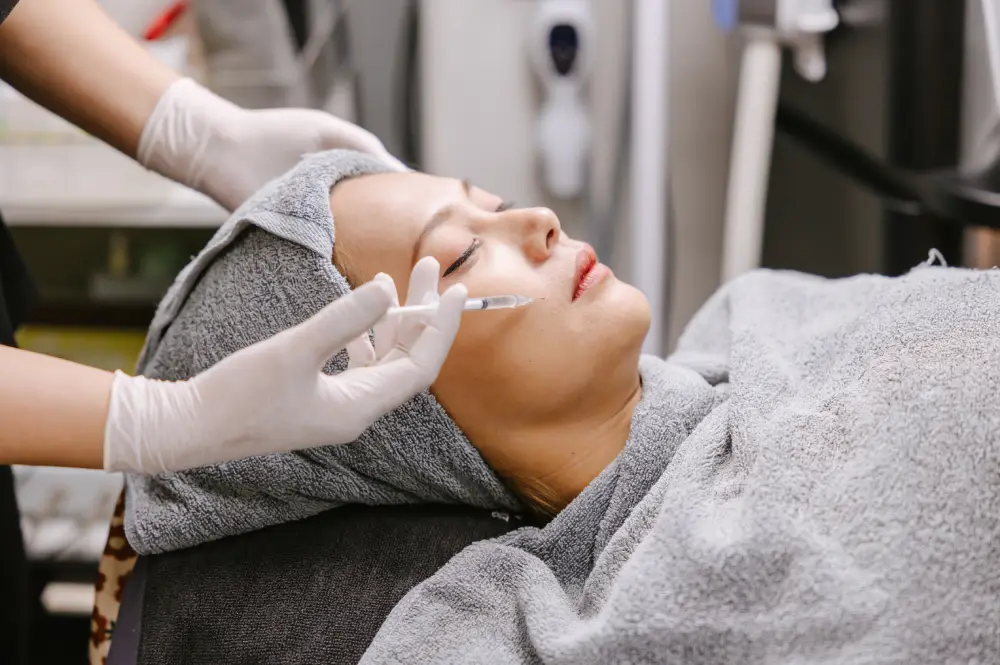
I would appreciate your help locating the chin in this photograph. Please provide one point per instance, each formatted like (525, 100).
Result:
(631, 314)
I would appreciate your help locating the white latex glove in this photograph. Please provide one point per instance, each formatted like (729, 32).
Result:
(396, 334)
(273, 397)
(210, 144)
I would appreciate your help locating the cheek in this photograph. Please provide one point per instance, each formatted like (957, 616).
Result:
(562, 352)
(488, 356)
(517, 365)
(483, 340)
(503, 270)
(448, 249)
(539, 361)
(364, 263)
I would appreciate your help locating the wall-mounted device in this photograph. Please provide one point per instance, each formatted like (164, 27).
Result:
(798, 24)
(767, 26)
(562, 51)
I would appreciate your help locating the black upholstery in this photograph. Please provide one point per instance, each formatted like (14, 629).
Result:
(314, 591)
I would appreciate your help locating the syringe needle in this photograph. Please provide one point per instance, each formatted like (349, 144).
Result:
(471, 305)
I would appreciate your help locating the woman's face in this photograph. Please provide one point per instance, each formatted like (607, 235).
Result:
(573, 349)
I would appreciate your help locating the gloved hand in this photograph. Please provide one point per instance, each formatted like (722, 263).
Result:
(396, 334)
(273, 397)
(205, 142)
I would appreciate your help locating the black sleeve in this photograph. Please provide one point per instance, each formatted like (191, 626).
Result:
(17, 292)
(5, 7)
(16, 295)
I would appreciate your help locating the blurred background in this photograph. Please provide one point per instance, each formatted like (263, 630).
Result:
(687, 140)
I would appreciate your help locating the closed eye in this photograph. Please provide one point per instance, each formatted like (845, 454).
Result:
(504, 205)
(463, 258)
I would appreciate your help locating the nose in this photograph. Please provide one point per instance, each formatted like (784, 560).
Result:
(537, 230)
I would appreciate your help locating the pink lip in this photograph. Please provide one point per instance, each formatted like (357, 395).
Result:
(589, 271)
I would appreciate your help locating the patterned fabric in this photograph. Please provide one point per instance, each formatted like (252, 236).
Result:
(114, 569)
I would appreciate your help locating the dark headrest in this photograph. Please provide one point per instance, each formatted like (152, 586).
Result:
(312, 591)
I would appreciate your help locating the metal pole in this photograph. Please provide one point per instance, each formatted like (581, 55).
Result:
(648, 172)
(750, 158)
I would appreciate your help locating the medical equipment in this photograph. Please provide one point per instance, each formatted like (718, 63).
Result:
(482, 120)
(649, 196)
(563, 52)
(471, 305)
(939, 178)
(768, 26)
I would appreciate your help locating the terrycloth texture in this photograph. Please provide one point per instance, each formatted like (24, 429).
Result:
(813, 478)
(311, 592)
(268, 268)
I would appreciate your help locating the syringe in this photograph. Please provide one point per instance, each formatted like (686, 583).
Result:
(471, 305)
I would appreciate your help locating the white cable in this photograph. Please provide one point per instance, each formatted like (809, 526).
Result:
(750, 161)
(650, 123)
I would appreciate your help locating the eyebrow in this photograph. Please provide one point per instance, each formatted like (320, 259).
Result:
(436, 220)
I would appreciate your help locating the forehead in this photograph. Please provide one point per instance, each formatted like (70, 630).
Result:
(378, 218)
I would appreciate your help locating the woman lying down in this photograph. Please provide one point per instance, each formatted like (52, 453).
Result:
(814, 476)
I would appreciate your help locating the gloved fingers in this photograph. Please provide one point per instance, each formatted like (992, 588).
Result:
(401, 375)
(386, 334)
(339, 133)
(376, 390)
(441, 327)
(401, 347)
(385, 329)
(392, 162)
(343, 134)
(422, 290)
(340, 322)
(360, 352)
(424, 277)
(431, 347)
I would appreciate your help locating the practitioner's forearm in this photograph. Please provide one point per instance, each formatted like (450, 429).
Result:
(72, 58)
(52, 412)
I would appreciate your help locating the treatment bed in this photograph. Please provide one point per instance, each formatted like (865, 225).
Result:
(312, 591)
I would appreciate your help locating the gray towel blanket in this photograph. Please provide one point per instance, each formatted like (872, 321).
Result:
(814, 476)
(269, 268)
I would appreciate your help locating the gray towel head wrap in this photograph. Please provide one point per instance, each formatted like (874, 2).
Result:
(268, 268)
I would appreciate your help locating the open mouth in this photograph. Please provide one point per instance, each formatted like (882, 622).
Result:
(588, 271)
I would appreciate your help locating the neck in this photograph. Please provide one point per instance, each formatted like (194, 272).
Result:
(571, 453)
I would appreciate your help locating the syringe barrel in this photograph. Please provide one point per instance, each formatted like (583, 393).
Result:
(496, 302)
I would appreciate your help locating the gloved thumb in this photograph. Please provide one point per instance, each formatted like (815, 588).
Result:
(429, 343)
(392, 162)
(433, 345)
(404, 373)
(335, 326)
(343, 134)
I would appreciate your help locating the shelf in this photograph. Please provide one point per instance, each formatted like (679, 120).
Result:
(90, 313)
(189, 214)
(92, 185)
(169, 217)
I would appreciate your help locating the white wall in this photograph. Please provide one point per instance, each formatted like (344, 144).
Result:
(704, 72)
(376, 34)
(480, 98)
(477, 94)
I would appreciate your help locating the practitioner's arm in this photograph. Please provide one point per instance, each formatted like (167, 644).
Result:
(269, 397)
(52, 412)
(71, 57)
